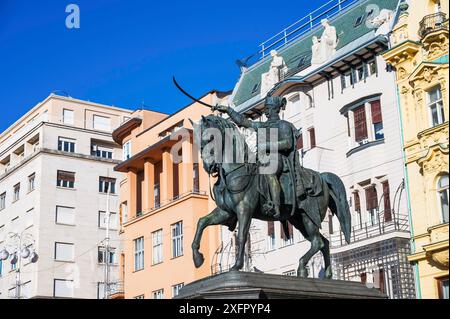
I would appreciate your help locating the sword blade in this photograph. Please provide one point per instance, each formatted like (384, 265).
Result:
(188, 95)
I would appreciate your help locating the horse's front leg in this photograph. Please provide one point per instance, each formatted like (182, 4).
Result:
(244, 218)
(216, 217)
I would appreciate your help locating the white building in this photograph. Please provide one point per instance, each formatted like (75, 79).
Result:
(56, 170)
(345, 104)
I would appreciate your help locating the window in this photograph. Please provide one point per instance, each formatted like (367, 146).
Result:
(100, 290)
(312, 137)
(156, 195)
(443, 288)
(372, 67)
(176, 289)
(372, 204)
(107, 185)
(358, 21)
(16, 192)
(31, 182)
(359, 73)
(436, 106)
(102, 123)
(102, 151)
(443, 196)
(65, 179)
(64, 251)
(157, 253)
(285, 240)
(63, 288)
(124, 212)
(158, 294)
(359, 115)
(65, 215)
(1, 268)
(387, 201)
(68, 117)
(347, 79)
(29, 218)
(140, 297)
(299, 143)
(126, 150)
(330, 223)
(66, 145)
(139, 253)
(177, 239)
(291, 273)
(2, 201)
(271, 235)
(102, 222)
(196, 177)
(111, 257)
(377, 119)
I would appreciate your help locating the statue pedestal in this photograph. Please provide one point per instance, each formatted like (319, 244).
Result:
(249, 285)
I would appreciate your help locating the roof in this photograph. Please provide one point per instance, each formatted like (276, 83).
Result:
(300, 49)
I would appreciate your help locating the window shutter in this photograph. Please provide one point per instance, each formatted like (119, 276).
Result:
(66, 176)
(270, 228)
(360, 123)
(376, 111)
(348, 126)
(371, 198)
(387, 202)
(299, 143)
(342, 82)
(312, 137)
(357, 202)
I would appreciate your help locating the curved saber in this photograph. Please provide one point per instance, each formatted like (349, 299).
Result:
(188, 95)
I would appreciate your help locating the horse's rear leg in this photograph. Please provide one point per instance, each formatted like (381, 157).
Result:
(311, 232)
(216, 217)
(326, 257)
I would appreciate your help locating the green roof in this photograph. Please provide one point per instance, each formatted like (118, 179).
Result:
(300, 49)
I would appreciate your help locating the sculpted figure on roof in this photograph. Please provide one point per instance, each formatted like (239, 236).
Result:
(325, 47)
(275, 73)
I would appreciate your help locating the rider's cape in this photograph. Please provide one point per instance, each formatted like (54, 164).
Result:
(306, 179)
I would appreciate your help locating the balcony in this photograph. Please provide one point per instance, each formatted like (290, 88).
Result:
(432, 23)
(116, 290)
(368, 230)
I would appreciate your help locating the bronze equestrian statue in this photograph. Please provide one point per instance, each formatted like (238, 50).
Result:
(291, 193)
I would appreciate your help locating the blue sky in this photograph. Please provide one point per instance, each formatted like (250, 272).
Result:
(125, 52)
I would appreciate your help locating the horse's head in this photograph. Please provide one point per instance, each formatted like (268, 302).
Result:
(211, 134)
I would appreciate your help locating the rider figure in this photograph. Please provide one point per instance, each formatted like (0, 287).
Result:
(285, 143)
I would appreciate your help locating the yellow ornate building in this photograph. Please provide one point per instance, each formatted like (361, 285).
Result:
(419, 54)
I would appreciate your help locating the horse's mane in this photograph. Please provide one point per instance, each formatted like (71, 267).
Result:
(223, 124)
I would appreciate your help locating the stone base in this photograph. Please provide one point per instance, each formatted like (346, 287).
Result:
(250, 285)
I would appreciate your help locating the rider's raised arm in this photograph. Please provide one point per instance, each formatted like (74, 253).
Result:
(241, 120)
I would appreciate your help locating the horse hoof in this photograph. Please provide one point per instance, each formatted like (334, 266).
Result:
(328, 273)
(198, 259)
(235, 268)
(303, 272)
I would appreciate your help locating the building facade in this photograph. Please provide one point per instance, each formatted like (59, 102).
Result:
(419, 54)
(342, 98)
(57, 184)
(164, 193)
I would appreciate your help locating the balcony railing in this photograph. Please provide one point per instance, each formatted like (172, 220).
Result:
(116, 290)
(369, 230)
(432, 23)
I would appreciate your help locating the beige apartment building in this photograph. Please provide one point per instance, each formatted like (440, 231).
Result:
(56, 184)
(162, 198)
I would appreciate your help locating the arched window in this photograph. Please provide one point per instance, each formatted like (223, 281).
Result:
(442, 189)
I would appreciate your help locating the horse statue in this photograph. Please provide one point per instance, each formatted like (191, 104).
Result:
(241, 192)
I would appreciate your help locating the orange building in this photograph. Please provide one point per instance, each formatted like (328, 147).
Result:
(164, 194)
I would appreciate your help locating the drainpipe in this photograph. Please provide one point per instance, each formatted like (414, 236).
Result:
(408, 196)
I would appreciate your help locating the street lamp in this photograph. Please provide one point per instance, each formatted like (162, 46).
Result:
(18, 247)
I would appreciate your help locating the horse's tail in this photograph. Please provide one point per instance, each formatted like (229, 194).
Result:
(338, 203)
